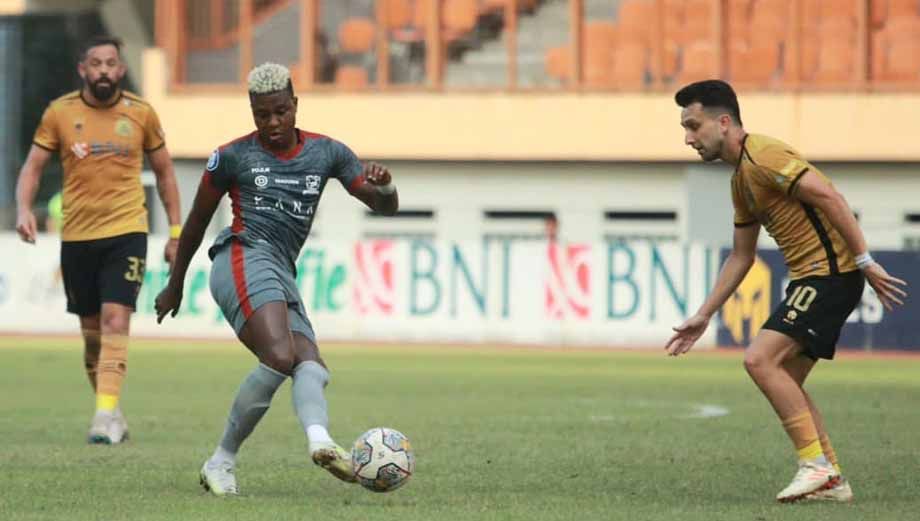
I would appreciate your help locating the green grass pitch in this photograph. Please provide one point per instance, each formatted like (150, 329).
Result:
(500, 434)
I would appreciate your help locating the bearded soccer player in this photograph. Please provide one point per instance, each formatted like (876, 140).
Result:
(102, 133)
(274, 177)
(775, 187)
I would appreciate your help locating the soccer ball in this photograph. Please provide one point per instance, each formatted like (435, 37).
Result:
(383, 459)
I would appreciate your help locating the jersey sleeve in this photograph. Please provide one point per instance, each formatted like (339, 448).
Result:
(219, 172)
(743, 215)
(781, 168)
(154, 137)
(46, 135)
(346, 166)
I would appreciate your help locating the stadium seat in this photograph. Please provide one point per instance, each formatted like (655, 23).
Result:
(398, 13)
(634, 21)
(459, 16)
(698, 21)
(351, 77)
(900, 8)
(757, 64)
(698, 62)
(495, 6)
(904, 61)
(558, 63)
(356, 35)
(599, 44)
(838, 9)
(630, 66)
(835, 62)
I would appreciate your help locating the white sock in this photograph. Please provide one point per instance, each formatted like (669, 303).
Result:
(319, 437)
(222, 455)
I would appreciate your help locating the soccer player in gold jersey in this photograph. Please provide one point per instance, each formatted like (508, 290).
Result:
(102, 133)
(775, 187)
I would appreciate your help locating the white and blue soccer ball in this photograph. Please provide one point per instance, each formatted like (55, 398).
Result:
(383, 459)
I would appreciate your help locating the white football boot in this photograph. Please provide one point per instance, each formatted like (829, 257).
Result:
(100, 429)
(218, 478)
(118, 428)
(812, 476)
(841, 493)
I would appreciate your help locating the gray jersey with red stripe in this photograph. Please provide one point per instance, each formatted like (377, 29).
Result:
(275, 197)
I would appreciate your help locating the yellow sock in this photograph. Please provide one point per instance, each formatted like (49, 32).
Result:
(106, 402)
(110, 373)
(804, 435)
(829, 452)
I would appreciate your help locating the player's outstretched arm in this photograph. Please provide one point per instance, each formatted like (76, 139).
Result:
(29, 177)
(738, 263)
(814, 191)
(206, 201)
(162, 167)
(378, 191)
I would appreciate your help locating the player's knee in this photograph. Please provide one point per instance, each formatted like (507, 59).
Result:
(115, 323)
(279, 356)
(755, 363)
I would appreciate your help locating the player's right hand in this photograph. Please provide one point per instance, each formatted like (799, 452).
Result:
(885, 286)
(168, 300)
(686, 334)
(26, 226)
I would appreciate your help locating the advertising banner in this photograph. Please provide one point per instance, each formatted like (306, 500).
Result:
(604, 294)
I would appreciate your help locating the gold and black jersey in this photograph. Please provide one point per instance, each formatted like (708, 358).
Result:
(102, 151)
(763, 190)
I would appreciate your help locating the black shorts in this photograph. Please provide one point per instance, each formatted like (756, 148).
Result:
(815, 310)
(103, 270)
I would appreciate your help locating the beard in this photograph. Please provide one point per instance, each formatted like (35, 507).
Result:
(103, 89)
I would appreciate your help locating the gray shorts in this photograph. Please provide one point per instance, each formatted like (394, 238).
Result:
(245, 278)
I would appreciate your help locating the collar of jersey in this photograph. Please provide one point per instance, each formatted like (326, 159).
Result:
(110, 105)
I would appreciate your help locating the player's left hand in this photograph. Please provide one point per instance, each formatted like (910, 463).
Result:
(885, 286)
(377, 174)
(168, 300)
(169, 253)
(686, 334)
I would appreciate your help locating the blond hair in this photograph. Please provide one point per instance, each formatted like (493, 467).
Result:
(269, 78)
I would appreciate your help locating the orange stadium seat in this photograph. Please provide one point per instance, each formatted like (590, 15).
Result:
(904, 61)
(459, 16)
(738, 20)
(900, 8)
(630, 66)
(698, 20)
(351, 77)
(398, 13)
(756, 65)
(838, 9)
(494, 6)
(599, 44)
(896, 50)
(558, 63)
(699, 62)
(634, 21)
(835, 62)
(356, 35)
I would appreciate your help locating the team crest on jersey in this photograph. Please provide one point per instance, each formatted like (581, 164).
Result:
(312, 182)
(213, 161)
(123, 127)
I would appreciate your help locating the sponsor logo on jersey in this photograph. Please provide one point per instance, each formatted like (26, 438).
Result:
(261, 170)
(261, 181)
(213, 161)
(312, 182)
(123, 127)
(282, 181)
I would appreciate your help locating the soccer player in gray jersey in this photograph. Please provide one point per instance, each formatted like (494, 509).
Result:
(274, 177)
